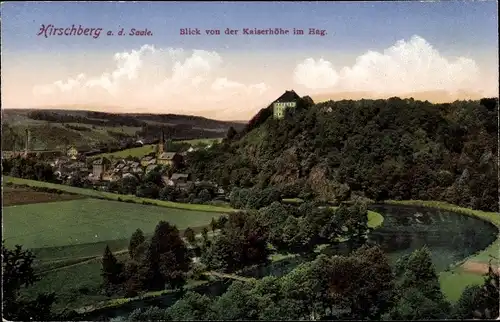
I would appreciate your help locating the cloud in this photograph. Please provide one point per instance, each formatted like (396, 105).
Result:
(316, 74)
(172, 79)
(407, 66)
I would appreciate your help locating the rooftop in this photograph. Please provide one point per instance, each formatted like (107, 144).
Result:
(288, 96)
(167, 155)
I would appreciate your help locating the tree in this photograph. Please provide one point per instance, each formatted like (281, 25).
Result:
(418, 289)
(44, 172)
(237, 303)
(231, 133)
(420, 273)
(168, 193)
(167, 258)
(213, 225)
(355, 220)
(18, 273)
(480, 301)
(242, 242)
(148, 190)
(128, 185)
(111, 269)
(204, 235)
(296, 236)
(467, 303)
(191, 307)
(204, 195)
(152, 313)
(414, 305)
(221, 222)
(488, 296)
(304, 289)
(136, 240)
(154, 177)
(75, 181)
(190, 235)
(372, 293)
(133, 277)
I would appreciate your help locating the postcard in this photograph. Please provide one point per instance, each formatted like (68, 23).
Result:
(250, 161)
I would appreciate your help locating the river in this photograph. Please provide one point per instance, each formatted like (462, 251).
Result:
(451, 237)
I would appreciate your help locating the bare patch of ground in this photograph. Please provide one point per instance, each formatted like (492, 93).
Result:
(478, 268)
(13, 196)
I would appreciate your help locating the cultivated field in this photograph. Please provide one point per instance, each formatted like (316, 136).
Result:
(21, 196)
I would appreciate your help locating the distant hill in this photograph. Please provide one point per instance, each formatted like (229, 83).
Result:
(431, 96)
(55, 128)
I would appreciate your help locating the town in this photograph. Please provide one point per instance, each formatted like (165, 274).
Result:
(85, 169)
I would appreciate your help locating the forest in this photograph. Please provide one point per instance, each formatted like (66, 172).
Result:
(374, 149)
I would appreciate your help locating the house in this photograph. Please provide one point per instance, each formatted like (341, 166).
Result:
(148, 160)
(150, 168)
(166, 180)
(169, 158)
(286, 101)
(100, 166)
(179, 179)
(110, 176)
(137, 170)
(119, 167)
(128, 175)
(72, 153)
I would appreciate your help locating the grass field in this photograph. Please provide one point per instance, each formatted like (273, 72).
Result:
(133, 152)
(453, 282)
(200, 141)
(146, 149)
(89, 221)
(114, 196)
(68, 238)
(375, 219)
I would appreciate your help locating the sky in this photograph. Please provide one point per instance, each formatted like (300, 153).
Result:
(439, 51)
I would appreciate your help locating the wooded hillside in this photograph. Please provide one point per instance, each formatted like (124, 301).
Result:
(380, 149)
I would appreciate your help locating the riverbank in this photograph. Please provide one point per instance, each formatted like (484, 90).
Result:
(461, 275)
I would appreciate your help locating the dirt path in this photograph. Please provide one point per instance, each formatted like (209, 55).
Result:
(478, 268)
